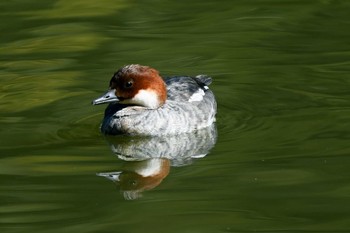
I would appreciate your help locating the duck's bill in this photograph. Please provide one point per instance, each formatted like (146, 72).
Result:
(108, 97)
(113, 176)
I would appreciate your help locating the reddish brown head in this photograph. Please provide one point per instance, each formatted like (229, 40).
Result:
(138, 85)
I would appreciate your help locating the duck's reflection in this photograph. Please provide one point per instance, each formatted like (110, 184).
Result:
(148, 159)
(138, 176)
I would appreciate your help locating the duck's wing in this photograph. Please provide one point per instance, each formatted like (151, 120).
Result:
(185, 88)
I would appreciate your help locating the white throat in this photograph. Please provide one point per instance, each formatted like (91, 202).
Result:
(146, 98)
(150, 167)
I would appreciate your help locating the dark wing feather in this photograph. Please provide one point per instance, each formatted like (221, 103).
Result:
(181, 88)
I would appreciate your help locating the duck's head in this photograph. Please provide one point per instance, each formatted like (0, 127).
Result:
(135, 85)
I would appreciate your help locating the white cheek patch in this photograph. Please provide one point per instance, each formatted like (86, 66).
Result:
(150, 168)
(146, 98)
(197, 96)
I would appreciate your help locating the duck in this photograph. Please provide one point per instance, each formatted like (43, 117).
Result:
(140, 102)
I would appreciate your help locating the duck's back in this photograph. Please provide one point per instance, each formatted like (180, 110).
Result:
(182, 88)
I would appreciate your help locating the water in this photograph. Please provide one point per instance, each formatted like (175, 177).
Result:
(281, 78)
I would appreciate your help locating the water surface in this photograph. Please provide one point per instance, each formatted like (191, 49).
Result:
(281, 78)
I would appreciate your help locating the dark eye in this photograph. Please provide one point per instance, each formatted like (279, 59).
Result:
(132, 182)
(128, 84)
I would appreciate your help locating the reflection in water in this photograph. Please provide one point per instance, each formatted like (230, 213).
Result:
(148, 159)
(136, 177)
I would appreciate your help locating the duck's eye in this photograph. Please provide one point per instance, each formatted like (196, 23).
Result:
(129, 84)
(132, 182)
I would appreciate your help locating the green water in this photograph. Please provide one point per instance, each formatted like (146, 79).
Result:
(282, 81)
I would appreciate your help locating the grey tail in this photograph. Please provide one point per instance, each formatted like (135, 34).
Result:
(203, 80)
